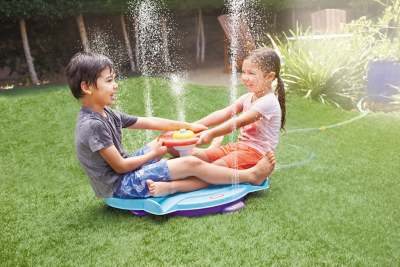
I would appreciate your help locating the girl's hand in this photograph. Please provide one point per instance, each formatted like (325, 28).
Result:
(205, 138)
(196, 127)
(159, 150)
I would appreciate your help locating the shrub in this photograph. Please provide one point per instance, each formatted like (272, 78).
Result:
(333, 70)
(328, 70)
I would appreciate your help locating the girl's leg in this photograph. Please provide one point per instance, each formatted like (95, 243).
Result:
(213, 174)
(199, 153)
(217, 142)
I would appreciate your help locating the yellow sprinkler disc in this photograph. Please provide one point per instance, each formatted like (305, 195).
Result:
(183, 134)
(322, 128)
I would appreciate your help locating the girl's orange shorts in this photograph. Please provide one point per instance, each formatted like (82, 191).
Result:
(247, 156)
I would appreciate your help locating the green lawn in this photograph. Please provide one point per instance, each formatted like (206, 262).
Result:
(340, 209)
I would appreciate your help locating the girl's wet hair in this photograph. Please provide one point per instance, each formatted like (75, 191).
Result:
(268, 61)
(86, 67)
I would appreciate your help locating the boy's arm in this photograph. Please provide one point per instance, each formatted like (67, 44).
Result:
(122, 165)
(244, 119)
(221, 115)
(159, 124)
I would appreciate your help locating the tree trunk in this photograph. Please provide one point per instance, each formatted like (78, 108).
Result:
(28, 56)
(82, 31)
(200, 35)
(165, 42)
(128, 45)
(294, 20)
(137, 43)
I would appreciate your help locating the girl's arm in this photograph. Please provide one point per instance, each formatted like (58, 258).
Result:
(244, 119)
(124, 165)
(222, 115)
(159, 124)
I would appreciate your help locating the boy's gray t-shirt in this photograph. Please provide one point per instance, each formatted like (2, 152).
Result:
(94, 132)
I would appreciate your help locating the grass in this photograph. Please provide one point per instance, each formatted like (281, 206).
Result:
(341, 208)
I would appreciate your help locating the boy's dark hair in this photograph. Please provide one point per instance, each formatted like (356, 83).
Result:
(85, 67)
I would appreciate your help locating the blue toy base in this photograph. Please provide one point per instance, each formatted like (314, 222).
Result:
(214, 199)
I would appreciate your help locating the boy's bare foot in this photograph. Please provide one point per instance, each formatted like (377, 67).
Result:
(159, 189)
(216, 142)
(263, 168)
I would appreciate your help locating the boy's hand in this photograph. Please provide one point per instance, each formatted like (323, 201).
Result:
(196, 127)
(205, 138)
(159, 150)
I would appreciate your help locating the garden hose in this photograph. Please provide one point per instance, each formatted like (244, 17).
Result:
(322, 128)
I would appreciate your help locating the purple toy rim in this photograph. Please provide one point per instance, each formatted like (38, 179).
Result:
(225, 208)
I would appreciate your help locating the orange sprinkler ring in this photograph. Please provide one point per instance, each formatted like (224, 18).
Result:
(186, 138)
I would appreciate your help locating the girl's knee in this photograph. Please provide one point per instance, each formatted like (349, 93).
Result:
(201, 155)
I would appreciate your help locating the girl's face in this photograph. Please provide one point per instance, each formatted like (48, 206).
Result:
(255, 79)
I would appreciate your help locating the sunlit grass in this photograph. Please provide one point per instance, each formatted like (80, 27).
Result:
(340, 209)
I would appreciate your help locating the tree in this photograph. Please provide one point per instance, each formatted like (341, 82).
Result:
(275, 6)
(128, 44)
(22, 10)
(363, 6)
(185, 6)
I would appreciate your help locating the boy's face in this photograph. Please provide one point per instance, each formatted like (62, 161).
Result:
(104, 94)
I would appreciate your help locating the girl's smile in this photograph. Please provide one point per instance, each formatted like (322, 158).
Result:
(255, 79)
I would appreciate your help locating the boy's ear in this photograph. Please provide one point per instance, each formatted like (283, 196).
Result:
(86, 88)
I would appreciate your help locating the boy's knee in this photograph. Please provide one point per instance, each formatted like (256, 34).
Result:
(193, 161)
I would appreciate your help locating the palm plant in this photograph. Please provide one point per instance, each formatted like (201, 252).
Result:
(328, 70)
(333, 70)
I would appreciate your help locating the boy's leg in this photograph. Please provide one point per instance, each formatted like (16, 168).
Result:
(161, 189)
(213, 174)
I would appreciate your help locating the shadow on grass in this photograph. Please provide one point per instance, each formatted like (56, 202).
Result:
(99, 213)
(32, 90)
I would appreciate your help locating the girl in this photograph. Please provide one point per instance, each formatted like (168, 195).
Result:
(263, 114)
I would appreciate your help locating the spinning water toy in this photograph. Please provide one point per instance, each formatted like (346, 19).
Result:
(183, 141)
(214, 199)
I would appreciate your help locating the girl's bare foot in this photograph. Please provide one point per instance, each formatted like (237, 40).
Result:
(263, 168)
(216, 142)
(159, 189)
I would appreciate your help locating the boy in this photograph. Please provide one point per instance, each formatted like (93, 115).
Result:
(98, 137)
